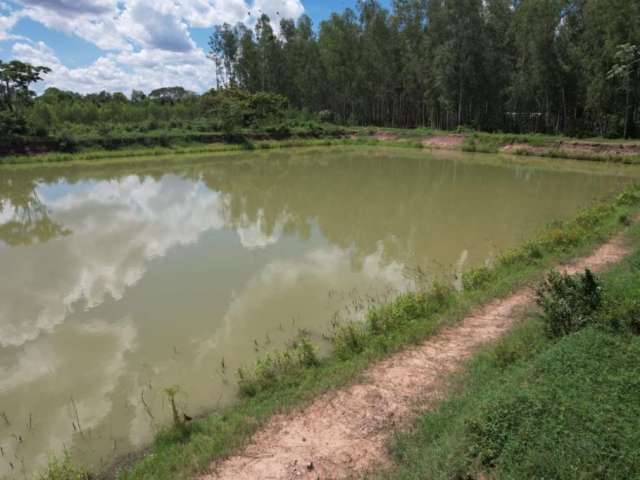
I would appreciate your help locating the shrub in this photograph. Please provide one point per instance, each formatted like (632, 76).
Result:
(477, 278)
(533, 251)
(67, 143)
(348, 339)
(568, 302)
(278, 131)
(624, 220)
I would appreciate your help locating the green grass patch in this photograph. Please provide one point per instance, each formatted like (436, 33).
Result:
(63, 470)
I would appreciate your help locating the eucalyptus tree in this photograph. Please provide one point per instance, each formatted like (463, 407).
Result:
(456, 33)
(339, 42)
(626, 70)
(410, 21)
(537, 78)
(224, 48)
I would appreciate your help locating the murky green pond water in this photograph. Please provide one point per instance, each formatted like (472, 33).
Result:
(117, 281)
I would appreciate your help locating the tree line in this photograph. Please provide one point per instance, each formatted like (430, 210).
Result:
(552, 66)
(105, 115)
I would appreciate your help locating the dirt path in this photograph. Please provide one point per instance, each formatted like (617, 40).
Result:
(343, 433)
(452, 141)
(576, 147)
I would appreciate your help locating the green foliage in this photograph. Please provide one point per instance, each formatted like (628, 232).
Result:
(477, 278)
(236, 109)
(278, 367)
(620, 311)
(15, 79)
(409, 316)
(629, 197)
(66, 143)
(569, 303)
(349, 339)
(63, 470)
(12, 124)
(624, 220)
(169, 116)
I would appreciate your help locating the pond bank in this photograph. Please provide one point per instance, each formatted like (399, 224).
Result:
(518, 144)
(626, 152)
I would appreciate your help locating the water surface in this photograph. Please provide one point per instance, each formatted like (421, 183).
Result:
(118, 281)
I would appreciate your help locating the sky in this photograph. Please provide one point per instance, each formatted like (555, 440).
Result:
(121, 45)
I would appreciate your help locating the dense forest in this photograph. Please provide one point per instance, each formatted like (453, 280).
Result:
(548, 66)
(553, 66)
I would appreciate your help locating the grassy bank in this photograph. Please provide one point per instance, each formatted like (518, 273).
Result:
(468, 141)
(289, 379)
(184, 147)
(543, 402)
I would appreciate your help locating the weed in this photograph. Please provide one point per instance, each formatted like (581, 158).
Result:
(349, 339)
(477, 278)
(63, 470)
(172, 393)
(278, 367)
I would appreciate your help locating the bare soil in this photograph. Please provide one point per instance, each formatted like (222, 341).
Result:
(447, 142)
(385, 136)
(578, 147)
(343, 433)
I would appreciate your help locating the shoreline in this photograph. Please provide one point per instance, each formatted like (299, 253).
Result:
(600, 150)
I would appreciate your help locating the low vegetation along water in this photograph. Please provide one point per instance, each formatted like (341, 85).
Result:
(122, 280)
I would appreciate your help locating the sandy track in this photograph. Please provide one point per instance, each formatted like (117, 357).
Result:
(343, 432)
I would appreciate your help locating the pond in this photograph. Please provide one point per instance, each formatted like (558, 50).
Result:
(120, 280)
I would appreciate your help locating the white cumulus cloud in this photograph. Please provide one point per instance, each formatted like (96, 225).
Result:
(145, 44)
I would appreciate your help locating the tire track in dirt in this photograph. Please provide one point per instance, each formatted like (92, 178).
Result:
(343, 432)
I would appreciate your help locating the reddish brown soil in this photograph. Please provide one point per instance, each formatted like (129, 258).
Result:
(585, 148)
(343, 433)
(385, 136)
(447, 142)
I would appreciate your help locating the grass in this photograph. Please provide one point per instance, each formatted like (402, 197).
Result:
(149, 153)
(63, 470)
(158, 144)
(290, 379)
(536, 405)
